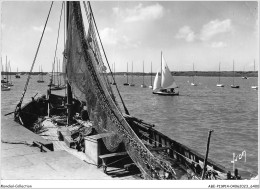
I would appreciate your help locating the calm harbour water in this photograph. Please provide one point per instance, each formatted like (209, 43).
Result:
(231, 113)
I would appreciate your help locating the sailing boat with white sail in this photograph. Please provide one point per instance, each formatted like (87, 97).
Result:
(151, 86)
(234, 86)
(193, 83)
(219, 84)
(143, 85)
(164, 85)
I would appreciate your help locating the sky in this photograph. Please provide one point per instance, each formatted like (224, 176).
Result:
(197, 32)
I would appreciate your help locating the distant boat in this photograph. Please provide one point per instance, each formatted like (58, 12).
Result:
(234, 86)
(17, 75)
(219, 84)
(40, 80)
(193, 83)
(151, 86)
(164, 85)
(126, 84)
(5, 88)
(132, 83)
(244, 77)
(254, 87)
(9, 82)
(143, 85)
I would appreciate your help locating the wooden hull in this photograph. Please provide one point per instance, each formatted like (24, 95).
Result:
(235, 86)
(126, 84)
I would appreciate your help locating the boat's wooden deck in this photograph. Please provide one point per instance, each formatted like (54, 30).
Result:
(50, 134)
(20, 160)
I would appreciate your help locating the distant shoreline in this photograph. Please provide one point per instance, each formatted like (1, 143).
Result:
(180, 73)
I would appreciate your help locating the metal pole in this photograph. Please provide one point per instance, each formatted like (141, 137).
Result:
(206, 158)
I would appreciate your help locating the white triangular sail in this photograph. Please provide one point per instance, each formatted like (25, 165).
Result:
(167, 79)
(157, 82)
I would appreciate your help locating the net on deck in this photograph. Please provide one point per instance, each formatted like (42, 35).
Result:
(86, 74)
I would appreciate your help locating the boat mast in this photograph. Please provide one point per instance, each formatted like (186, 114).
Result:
(143, 73)
(6, 70)
(193, 74)
(233, 72)
(161, 68)
(132, 74)
(127, 73)
(219, 73)
(69, 92)
(151, 74)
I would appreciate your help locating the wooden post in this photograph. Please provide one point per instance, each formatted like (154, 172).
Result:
(206, 158)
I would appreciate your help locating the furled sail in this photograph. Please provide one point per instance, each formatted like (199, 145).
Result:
(85, 73)
(157, 82)
(167, 79)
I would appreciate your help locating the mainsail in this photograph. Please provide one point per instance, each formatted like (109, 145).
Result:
(167, 79)
(85, 71)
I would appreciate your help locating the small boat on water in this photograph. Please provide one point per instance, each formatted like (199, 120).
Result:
(40, 80)
(143, 85)
(233, 85)
(132, 83)
(154, 154)
(219, 84)
(165, 84)
(254, 86)
(151, 85)
(193, 83)
(17, 75)
(5, 88)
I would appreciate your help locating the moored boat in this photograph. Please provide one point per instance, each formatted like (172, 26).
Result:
(219, 84)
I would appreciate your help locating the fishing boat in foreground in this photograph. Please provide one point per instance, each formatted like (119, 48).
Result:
(164, 85)
(154, 154)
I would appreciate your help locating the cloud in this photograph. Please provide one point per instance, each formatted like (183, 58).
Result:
(185, 33)
(109, 36)
(219, 44)
(215, 27)
(140, 13)
(40, 28)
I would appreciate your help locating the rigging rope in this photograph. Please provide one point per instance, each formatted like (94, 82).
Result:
(91, 12)
(29, 75)
(53, 66)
